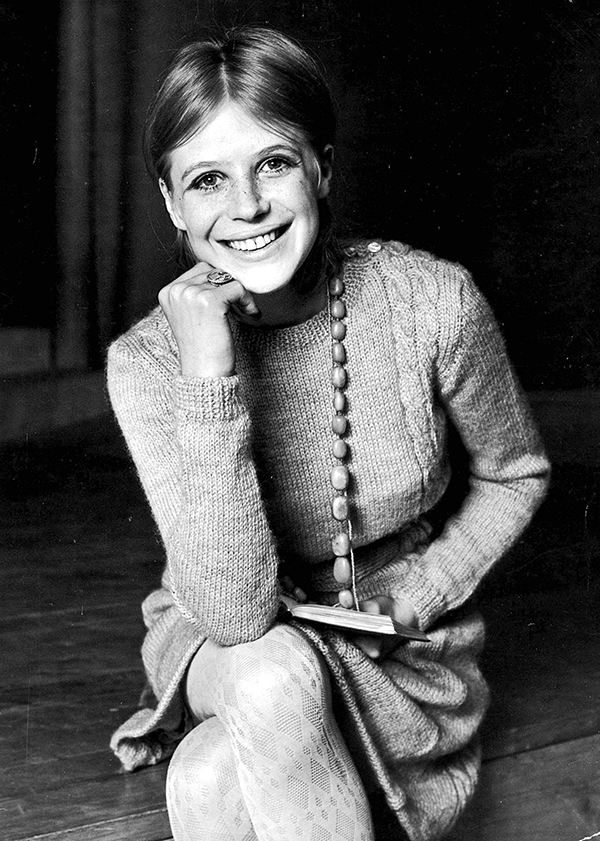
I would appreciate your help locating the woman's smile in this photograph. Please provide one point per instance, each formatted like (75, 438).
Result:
(247, 196)
(256, 242)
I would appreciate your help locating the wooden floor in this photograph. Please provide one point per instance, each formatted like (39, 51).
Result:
(79, 552)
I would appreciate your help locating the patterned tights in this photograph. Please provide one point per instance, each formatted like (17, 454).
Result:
(267, 762)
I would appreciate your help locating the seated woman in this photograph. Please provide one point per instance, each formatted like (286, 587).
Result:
(288, 408)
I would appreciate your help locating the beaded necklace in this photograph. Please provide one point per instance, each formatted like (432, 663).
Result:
(350, 617)
(343, 567)
(341, 544)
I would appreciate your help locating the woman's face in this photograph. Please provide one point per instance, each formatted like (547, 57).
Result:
(247, 197)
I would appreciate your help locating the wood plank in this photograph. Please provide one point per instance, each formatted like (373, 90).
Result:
(80, 574)
(69, 645)
(47, 742)
(552, 794)
(103, 809)
(144, 826)
(542, 660)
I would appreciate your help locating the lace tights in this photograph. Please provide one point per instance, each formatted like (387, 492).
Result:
(267, 762)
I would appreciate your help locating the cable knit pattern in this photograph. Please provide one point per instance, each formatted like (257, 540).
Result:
(236, 471)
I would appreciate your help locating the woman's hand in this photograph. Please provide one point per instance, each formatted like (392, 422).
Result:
(197, 313)
(399, 609)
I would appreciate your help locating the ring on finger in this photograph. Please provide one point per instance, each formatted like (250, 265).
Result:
(218, 278)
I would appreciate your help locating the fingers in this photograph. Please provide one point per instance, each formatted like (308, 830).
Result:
(372, 645)
(196, 310)
(399, 609)
(194, 288)
(245, 303)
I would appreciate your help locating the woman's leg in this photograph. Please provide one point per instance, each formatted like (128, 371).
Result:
(272, 698)
(203, 793)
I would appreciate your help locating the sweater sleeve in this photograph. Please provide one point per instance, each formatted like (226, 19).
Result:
(508, 469)
(190, 441)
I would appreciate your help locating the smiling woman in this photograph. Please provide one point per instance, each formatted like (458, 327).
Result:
(247, 198)
(288, 407)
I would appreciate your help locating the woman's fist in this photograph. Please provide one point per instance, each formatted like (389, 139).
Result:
(197, 314)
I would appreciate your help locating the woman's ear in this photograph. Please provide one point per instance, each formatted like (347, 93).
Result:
(175, 216)
(325, 171)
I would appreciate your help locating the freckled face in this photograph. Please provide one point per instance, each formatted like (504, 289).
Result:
(247, 198)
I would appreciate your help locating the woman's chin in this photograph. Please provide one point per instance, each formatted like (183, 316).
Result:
(264, 282)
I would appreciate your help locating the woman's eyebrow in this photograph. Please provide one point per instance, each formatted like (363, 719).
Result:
(288, 146)
(199, 165)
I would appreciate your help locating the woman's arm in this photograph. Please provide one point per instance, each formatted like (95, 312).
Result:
(190, 441)
(508, 468)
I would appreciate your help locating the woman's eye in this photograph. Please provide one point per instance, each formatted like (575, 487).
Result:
(207, 182)
(276, 166)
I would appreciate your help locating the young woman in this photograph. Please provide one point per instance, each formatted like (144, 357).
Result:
(288, 408)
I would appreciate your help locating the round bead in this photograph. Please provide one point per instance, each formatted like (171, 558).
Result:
(338, 330)
(338, 352)
(338, 309)
(346, 598)
(339, 400)
(338, 376)
(374, 247)
(340, 544)
(339, 448)
(287, 583)
(342, 570)
(339, 424)
(299, 594)
(336, 286)
(340, 477)
(339, 508)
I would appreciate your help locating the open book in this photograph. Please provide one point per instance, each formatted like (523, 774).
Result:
(352, 620)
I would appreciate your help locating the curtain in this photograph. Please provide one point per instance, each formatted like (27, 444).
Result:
(92, 97)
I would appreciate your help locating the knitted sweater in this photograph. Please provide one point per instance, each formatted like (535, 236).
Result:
(236, 469)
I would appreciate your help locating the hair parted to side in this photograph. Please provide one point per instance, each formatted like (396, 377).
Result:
(267, 73)
(260, 69)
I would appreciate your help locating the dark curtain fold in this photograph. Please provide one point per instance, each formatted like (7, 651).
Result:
(92, 100)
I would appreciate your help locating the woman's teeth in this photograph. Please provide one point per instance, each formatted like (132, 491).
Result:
(255, 243)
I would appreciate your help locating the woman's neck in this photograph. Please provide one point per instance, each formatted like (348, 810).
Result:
(306, 295)
(288, 306)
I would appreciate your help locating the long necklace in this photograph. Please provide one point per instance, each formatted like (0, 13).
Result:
(343, 566)
(352, 618)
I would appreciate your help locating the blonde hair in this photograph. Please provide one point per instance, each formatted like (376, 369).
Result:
(266, 72)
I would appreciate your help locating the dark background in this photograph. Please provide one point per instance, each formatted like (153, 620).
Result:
(471, 130)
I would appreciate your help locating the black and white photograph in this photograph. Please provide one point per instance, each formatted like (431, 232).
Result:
(300, 420)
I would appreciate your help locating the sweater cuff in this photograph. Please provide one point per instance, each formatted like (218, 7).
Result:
(208, 398)
(428, 602)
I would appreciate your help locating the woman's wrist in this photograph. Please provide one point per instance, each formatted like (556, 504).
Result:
(208, 398)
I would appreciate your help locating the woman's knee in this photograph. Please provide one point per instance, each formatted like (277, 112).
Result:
(199, 769)
(257, 680)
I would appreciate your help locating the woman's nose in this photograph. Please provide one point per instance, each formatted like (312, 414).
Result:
(248, 201)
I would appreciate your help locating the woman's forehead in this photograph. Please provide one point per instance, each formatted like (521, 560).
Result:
(230, 134)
